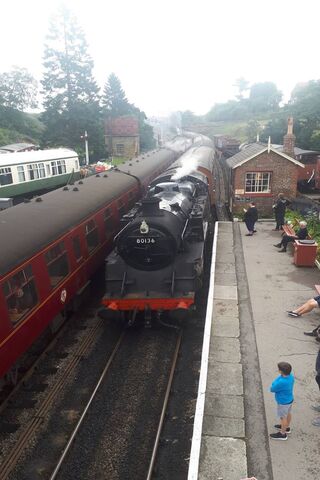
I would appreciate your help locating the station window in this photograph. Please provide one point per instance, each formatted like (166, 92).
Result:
(77, 248)
(21, 294)
(21, 174)
(5, 176)
(108, 223)
(76, 164)
(119, 149)
(36, 170)
(92, 235)
(57, 263)
(258, 182)
(58, 167)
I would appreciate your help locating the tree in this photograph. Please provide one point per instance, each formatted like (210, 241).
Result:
(71, 99)
(242, 85)
(264, 97)
(188, 118)
(115, 104)
(252, 129)
(114, 101)
(18, 89)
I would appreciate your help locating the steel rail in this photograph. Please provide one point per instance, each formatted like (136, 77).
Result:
(11, 461)
(164, 408)
(75, 431)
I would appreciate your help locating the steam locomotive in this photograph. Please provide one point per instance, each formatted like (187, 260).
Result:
(157, 265)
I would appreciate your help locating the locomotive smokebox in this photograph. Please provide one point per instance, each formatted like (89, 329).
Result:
(150, 207)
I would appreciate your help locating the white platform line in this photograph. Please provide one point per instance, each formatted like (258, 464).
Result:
(198, 419)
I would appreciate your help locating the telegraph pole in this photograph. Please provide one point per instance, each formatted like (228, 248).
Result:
(85, 136)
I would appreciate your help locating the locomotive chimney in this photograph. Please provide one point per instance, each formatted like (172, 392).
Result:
(150, 206)
(289, 139)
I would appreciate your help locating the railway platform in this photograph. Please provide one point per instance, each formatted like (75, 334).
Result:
(247, 333)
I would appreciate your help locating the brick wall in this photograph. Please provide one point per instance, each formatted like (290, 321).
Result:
(284, 176)
(126, 147)
(122, 126)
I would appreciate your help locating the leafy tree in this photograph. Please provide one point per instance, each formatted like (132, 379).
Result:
(18, 89)
(114, 101)
(71, 99)
(115, 104)
(252, 129)
(188, 118)
(264, 97)
(242, 85)
(276, 128)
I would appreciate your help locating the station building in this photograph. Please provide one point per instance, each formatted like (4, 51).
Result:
(259, 172)
(122, 136)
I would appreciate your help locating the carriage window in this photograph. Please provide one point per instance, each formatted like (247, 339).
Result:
(77, 248)
(5, 176)
(36, 170)
(121, 207)
(108, 222)
(92, 235)
(48, 170)
(58, 167)
(21, 294)
(76, 163)
(57, 263)
(21, 174)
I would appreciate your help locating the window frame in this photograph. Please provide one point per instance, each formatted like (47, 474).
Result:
(257, 183)
(6, 172)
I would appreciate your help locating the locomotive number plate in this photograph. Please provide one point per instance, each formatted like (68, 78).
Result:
(145, 240)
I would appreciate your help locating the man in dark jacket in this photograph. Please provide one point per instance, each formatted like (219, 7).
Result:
(279, 210)
(250, 218)
(301, 234)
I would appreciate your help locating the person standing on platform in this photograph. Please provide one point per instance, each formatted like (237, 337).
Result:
(279, 208)
(282, 386)
(316, 421)
(250, 218)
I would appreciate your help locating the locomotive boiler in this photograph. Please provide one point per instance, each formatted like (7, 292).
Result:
(157, 265)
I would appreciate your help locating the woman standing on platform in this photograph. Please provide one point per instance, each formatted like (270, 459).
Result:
(250, 218)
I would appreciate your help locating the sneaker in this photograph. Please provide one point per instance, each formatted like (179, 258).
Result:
(278, 436)
(316, 408)
(311, 333)
(277, 245)
(282, 251)
(249, 234)
(254, 231)
(278, 427)
(316, 422)
(291, 313)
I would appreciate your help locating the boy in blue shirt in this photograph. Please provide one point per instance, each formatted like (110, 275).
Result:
(282, 386)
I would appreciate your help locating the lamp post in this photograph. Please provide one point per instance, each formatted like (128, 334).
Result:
(85, 136)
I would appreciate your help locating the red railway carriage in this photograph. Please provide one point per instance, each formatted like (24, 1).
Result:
(51, 246)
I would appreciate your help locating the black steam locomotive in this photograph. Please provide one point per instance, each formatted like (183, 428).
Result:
(157, 265)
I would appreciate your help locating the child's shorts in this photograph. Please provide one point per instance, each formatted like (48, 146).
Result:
(283, 410)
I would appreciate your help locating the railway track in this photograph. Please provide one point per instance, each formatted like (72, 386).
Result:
(27, 432)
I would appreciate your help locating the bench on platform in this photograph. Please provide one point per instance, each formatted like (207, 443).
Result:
(304, 253)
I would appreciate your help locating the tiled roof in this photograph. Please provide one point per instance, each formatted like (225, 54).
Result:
(255, 149)
(250, 151)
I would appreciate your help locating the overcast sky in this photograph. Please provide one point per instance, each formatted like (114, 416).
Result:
(176, 54)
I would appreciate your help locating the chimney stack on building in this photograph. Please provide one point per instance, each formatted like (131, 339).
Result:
(289, 139)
